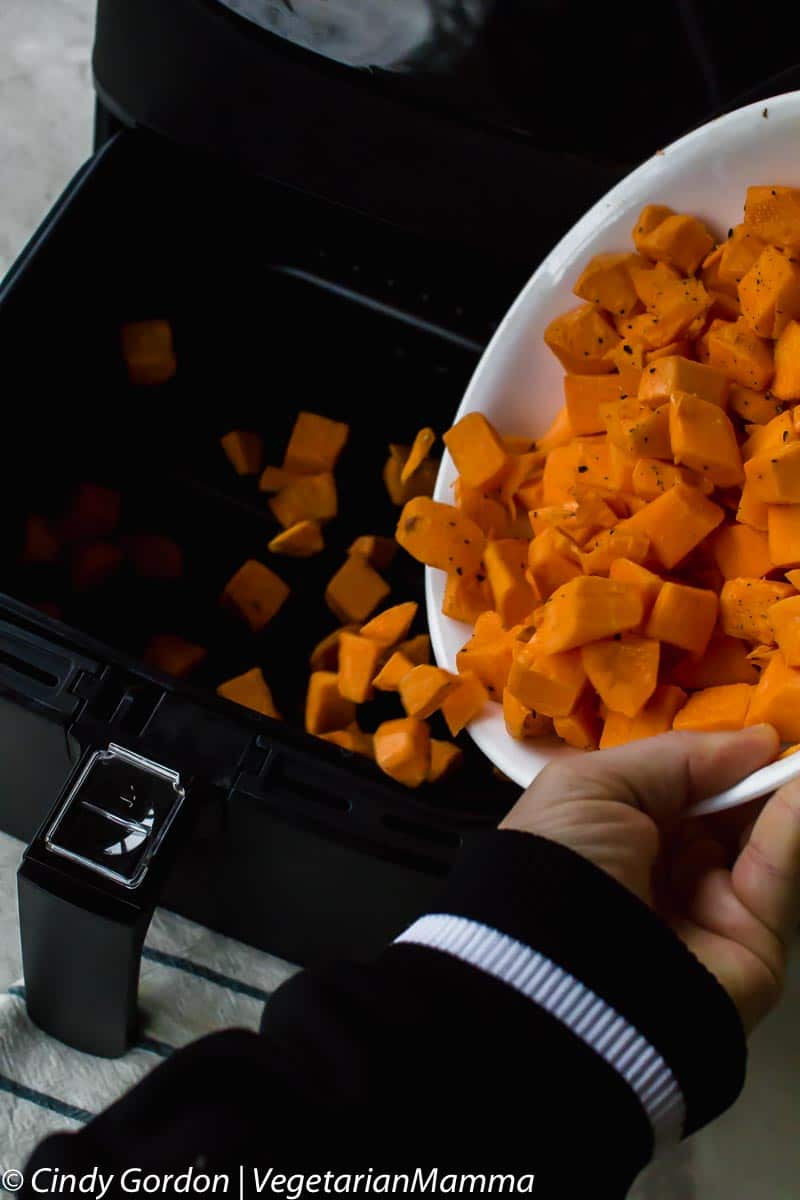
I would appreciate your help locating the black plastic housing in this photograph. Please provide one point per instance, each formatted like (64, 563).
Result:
(278, 301)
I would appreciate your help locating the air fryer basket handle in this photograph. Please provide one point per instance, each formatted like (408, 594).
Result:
(40, 674)
(87, 887)
(81, 968)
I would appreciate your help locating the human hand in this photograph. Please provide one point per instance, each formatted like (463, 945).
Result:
(728, 884)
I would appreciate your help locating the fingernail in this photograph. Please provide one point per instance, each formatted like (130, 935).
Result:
(763, 730)
(766, 734)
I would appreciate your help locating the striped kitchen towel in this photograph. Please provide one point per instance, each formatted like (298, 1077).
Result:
(193, 981)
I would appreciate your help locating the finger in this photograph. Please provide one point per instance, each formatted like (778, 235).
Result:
(766, 875)
(755, 958)
(728, 825)
(748, 981)
(661, 775)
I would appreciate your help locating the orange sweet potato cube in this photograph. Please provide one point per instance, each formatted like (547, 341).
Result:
(611, 544)
(606, 280)
(391, 625)
(675, 523)
(421, 483)
(306, 498)
(465, 599)
(679, 240)
(149, 351)
(325, 655)
(674, 373)
(506, 562)
(683, 616)
(648, 584)
(300, 540)
(393, 670)
(477, 450)
(785, 620)
(786, 384)
(623, 672)
(378, 551)
(751, 510)
(464, 702)
(637, 429)
(352, 739)
(255, 593)
(735, 350)
(424, 688)
(358, 663)
(656, 717)
(652, 477)
(440, 536)
(737, 255)
(552, 560)
(769, 294)
(772, 213)
(716, 709)
(770, 436)
(488, 658)
(251, 690)
(774, 475)
(649, 219)
(741, 552)
(581, 339)
(586, 609)
(756, 408)
(678, 309)
(275, 479)
(315, 444)
(445, 757)
(326, 707)
(583, 395)
(417, 649)
(403, 750)
(173, 654)
(522, 722)
(725, 660)
(582, 727)
(744, 606)
(244, 451)
(783, 526)
(550, 684)
(420, 448)
(355, 590)
(776, 699)
(703, 439)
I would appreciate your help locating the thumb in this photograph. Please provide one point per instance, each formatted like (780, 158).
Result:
(662, 775)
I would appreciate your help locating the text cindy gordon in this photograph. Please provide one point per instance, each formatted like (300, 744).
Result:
(48, 1181)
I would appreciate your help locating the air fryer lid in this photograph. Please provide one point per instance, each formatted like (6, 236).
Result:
(493, 122)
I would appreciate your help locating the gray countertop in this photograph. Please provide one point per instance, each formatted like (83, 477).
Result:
(45, 109)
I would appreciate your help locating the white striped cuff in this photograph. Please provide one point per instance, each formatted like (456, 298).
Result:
(578, 1008)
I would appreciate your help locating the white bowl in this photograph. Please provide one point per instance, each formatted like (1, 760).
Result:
(518, 382)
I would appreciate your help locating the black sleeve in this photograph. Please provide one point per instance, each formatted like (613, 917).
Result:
(544, 1024)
